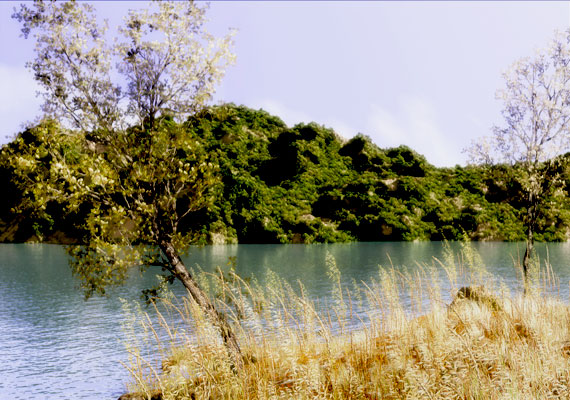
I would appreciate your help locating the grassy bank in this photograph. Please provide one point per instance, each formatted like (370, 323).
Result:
(392, 338)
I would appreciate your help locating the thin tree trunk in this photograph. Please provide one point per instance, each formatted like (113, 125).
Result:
(200, 297)
(531, 219)
(527, 256)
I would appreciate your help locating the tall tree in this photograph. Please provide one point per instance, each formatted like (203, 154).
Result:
(536, 128)
(125, 149)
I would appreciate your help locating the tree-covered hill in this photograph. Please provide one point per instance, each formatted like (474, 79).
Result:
(306, 184)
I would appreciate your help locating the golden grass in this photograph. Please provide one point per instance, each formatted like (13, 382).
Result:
(489, 346)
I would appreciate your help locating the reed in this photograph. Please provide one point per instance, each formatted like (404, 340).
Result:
(405, 335)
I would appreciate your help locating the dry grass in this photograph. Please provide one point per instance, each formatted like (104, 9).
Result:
(483, 346)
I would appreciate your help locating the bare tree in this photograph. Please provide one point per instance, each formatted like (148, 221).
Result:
(536, 128)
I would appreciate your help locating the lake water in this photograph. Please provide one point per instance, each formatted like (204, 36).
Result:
(56, 345)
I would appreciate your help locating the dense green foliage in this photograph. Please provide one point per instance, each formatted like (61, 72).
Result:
(306, 184)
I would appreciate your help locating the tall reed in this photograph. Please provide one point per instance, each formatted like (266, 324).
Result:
(404, 335)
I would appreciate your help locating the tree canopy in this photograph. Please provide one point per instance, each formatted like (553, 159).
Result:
(122, 147)
(333, 190)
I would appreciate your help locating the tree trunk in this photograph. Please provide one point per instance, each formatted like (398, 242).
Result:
(527, 255)
(217, 319)
(531, 220)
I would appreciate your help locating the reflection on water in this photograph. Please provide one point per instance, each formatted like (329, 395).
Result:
(53, 344)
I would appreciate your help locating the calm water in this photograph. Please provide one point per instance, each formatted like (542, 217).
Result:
(55, 345)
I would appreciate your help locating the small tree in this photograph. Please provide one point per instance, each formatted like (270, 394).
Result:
(537, 128)
(125, 150)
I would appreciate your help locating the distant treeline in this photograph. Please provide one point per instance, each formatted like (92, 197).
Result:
(306, 184)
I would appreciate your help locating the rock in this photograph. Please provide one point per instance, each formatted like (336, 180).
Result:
(156, 395)
(477, 294)
(297, 238)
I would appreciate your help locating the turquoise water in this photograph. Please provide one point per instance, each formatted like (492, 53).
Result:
(56, 345)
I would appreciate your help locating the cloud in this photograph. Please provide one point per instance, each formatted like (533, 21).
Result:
(341, 128)
(413, 122)
(292, 116)
(289, 115)
(384, 128)
(18, 101)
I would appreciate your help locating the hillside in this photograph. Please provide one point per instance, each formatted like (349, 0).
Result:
(306, 184)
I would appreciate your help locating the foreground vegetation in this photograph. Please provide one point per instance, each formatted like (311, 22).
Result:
(305, 184)
(398, 337)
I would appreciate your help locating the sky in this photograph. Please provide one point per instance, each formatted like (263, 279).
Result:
(423, 74)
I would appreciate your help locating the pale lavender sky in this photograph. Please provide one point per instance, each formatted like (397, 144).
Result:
(422, 74)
